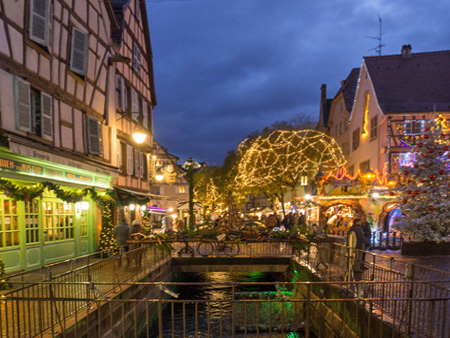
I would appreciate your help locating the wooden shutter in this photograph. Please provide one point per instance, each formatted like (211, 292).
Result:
(144, 114)
(22, 104)
(141, 165)
(136, 58)
(40, 21)
(136, 163)
(47, 117)
(79, 51)
(94, 136)
(134, 105)
(119, 155)
(130, 167)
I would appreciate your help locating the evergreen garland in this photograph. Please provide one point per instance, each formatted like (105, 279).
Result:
(4, 285)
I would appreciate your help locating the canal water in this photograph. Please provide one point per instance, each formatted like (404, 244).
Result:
(214, 319)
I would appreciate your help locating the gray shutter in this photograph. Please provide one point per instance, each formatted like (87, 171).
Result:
(134, 105)
(40, 21)
(47, 117)
(141, 165)
(136, 163)
(124, 93)
(22, 104)
(144, 114)
(130, 168)
(94, 136)
(119, 155)
(137, 9)
(78, 56)
(136, 58)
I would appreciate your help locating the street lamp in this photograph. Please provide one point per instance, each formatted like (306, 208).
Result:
(139, 134)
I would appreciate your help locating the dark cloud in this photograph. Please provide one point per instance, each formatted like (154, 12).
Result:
(224, 69)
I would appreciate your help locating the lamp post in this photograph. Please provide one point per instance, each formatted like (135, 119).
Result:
(189, 166)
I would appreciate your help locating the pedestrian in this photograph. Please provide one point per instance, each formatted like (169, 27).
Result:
(367, 231)
(122, 235)
(271, 222)
(136, 249)
(357, 242)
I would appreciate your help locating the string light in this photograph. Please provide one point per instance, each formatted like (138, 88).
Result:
(365, 131)
(285, 156)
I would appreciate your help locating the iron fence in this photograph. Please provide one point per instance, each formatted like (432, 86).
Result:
(309, 309)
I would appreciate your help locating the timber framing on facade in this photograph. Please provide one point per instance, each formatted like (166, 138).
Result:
(76, 81)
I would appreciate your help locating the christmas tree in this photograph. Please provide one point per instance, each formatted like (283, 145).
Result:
(424, 189)
(107, 240)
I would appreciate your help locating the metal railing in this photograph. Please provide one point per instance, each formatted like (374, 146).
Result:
(392, 287)
(297, 308)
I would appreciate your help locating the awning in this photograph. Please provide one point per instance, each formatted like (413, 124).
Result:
(145, 194)
(156, 210)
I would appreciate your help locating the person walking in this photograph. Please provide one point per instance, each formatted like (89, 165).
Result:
(357, 245)
(136, 249)
(367, 231)
(122, 235)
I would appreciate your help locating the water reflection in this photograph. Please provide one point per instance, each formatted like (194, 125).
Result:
(208, 316)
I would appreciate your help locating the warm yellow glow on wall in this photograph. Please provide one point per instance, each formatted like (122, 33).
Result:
(365, 124)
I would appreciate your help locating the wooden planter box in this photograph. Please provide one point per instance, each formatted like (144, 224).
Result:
(425, 248)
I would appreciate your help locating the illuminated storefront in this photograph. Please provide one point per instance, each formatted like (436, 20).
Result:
(45, 229)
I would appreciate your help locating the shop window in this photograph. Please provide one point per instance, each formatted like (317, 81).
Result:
(40, 23)
(33, 110)
(94, 136)
(32, 221)
(79, 52)
(84, 223)
(181, 189)
(9, 228)
(58, 218)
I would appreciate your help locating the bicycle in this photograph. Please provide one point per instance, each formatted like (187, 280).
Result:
(230, 249)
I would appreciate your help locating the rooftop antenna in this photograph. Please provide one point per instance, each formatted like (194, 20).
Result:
(379, 48)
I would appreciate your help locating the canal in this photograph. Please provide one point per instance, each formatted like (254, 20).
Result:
(208, 316)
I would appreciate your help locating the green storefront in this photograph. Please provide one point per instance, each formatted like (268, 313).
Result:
(46, 229)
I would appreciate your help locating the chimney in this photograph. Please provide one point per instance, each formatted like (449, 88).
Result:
(406, 51)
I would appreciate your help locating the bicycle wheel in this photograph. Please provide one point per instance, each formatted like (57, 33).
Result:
(230, 249)
(205, 249)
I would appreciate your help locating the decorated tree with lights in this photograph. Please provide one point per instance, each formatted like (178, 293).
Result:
(424, 190)
(279, 160)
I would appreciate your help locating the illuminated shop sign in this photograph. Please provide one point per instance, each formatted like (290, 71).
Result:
(21, 166)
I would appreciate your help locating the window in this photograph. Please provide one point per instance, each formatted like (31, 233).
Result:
(33, 110)
(413, 127)
(355, 139)
(79, 52)
(9, 226)
(94, 136)
(119, 150)
(84, 223)
(32, 221)
(181, 189)
(58, 221)
(136, 58)
(351, 170)
(143, 166)
(40, 23)
(341, 127)
(364, 166)
(373, 128)
(303, 181)
(137, 162)
(121, 94)
(345, 149)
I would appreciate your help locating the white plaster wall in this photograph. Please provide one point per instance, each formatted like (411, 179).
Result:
(14, 10)
(4, 48)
